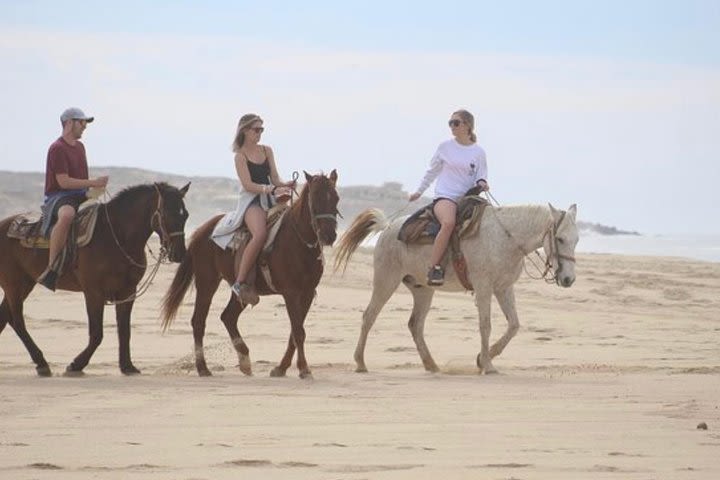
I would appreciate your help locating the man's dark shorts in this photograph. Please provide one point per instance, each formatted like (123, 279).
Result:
(72, 200)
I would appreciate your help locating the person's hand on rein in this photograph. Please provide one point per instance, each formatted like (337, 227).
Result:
(282, 194)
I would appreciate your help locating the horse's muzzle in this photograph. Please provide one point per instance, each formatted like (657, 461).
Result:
(177, 251)
(327, 239)
(566, 281)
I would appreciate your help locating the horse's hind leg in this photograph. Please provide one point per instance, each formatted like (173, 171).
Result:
(95, 306)
(122, 314)
(383, 288)
(422, 299)
(506, 299)
(229, 318)
(286, 361)
(13, 314)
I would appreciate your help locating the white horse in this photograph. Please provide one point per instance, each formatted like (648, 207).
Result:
(494, 257)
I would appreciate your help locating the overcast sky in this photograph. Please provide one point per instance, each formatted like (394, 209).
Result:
(613, 105)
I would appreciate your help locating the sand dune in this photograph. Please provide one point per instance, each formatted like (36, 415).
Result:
(608, 379)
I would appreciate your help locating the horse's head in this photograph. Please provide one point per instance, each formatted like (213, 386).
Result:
(169, 219)
(322, 198)
(560, 245)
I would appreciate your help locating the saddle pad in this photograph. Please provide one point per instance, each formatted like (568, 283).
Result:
(26, 227)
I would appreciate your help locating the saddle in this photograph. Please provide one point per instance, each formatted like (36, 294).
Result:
(422, 227)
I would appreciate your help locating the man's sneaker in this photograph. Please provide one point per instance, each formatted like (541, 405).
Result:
(245, 293)
(436, 276)
(48, 280)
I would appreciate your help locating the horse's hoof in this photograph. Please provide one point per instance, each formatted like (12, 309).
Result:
(306, 375)
(204, 373)
(245, 366)
(277, 372)
(362, 369)
(491, 371)
(131, 370)
(44, 371)
(69, 372)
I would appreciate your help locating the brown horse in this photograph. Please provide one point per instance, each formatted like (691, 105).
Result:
(108, 268)
(295, 263)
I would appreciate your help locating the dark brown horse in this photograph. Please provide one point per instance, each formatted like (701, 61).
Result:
(295, 263)
(109, 268)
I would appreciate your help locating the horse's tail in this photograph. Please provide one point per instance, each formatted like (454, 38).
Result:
(178, 288)
(367, 222)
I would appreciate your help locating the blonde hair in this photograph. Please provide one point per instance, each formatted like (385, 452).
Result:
(469, 120)
(245, 122)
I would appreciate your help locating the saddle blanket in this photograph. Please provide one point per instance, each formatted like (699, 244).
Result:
(26, 227)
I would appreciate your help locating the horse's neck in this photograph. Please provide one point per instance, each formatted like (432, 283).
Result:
(526, 224)
(131, 223)
(301, 217)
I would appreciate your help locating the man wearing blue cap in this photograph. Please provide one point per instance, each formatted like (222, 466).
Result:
(66, 185)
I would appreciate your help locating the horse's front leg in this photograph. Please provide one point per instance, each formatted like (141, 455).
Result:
(122, 313)
(483, 296)
(297, 307)
(506, 299)
(95, 307)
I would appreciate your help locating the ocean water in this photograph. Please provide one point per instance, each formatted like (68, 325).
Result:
(697, 247)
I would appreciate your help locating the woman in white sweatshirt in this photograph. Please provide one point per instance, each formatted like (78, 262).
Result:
(458, 165)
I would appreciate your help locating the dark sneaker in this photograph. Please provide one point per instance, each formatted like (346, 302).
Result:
(436, 276)
(48, 280)
(245, 293)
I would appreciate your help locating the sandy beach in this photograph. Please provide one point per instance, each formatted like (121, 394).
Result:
(607, 379)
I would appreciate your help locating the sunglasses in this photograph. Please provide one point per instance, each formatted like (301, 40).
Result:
(455, 123)
(257, 129)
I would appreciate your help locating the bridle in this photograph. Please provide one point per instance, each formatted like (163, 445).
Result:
(554, 251)
(165, 236)
(314, 217)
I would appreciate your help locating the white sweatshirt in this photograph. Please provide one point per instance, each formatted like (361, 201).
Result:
(457, 169)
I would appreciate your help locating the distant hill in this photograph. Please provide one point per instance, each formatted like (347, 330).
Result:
(208, 196)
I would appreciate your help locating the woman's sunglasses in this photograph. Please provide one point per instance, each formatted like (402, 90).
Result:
(454, 123)
(258, 129)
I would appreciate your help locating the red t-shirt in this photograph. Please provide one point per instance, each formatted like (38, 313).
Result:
(64, 158)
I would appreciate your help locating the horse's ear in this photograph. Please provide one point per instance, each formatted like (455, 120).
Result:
(333, 177)
(572, 211)
(307, 176)
(184, 189)
(553, 211)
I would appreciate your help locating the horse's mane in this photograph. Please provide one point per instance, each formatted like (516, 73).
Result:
(528, 215)
(126, 196)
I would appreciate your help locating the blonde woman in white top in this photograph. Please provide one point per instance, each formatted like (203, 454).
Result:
(458, 165)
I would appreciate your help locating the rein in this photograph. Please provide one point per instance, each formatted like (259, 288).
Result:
(549, 274)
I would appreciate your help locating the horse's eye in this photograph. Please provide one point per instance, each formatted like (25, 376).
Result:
(560, 240)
